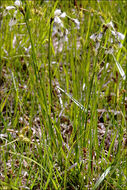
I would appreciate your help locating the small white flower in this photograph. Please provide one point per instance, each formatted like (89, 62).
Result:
(15, 13)
(120, 36)
(84, 85)
(109, 51)
(55, 30)
(18, 3)
(12, 22)
(111, 40)
(10, 7)
(99, 35)
(93, 37)
(113, 32)
(63, 15)
(110, 25)
(57, 12)
(77, 23)
(66, 32)
(58, 21)
(107, 65)
(66, 37)
(120, 45)
(14, 41)
(97, 46)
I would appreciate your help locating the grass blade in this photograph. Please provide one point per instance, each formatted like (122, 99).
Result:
(100, 180)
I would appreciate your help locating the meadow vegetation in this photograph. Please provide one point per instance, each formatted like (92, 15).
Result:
(63, 94)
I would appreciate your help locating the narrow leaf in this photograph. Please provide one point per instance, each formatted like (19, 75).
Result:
(102, 178)
(73, 99)
(119, 68)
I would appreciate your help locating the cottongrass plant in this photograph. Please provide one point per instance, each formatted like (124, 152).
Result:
(62, 100)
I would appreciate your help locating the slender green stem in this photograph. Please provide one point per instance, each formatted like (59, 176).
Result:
(49, 59)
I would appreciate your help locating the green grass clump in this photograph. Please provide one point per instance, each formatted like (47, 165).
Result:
(63, 101)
